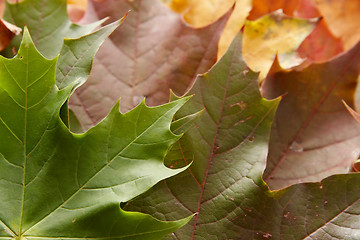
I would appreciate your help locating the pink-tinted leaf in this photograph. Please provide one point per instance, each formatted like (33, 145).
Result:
(313, 135)
(153, 51)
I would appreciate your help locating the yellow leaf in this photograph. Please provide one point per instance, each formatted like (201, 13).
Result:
(343, 19)
(234, 24)
(274, 34)
(200, 13)
(80, 3)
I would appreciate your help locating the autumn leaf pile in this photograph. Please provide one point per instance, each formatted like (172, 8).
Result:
(252, 133)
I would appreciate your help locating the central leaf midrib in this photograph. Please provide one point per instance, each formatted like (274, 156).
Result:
(107, 164)
(25, 140)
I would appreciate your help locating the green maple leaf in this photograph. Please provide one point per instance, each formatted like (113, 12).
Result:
(48, 23)
(75, 62)
(57, 184)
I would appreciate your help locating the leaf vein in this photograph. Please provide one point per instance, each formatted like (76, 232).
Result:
(108, 163)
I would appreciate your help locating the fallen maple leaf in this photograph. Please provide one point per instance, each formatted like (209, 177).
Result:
(234, 24)
(274, 34)
(7, 33)
(224, 187)
(152, 52)
(306, 9)
(313, 135)
(200, 13)
(47, 21)
(342, 17)
(321, 45)
(56, 184)
(229, 139)
(264, 7)
(76, 51)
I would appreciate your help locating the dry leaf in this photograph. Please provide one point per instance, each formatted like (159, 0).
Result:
(320, 45)
(313, 135)
(234, 24)
(153, 51)
(7, 32)
(200, 13)
(263, 7)
(343, 18)
(274, 34)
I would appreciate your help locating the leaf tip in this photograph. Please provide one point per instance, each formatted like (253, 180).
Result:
(356, 166)
(116, 107)
(26, 36)
(353, 113)
(124, 17)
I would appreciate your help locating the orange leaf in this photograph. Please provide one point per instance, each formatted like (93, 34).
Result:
(200, 13)
(307, 9)
(234, 24)
(320, 45)
(343, 19)
(263, 7)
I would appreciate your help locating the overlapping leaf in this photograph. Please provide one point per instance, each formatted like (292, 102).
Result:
(75, 54)
(56, 184)
(74, 65)
(228, 146)
(152, 52)
(313, 135)
(7, 32)
(321, 45)
(274, 34)
(263, 7)
(201, 13)
(47, 21)
(343, 19)
(234, 24)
